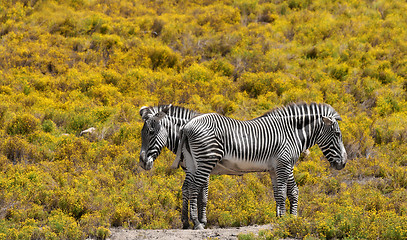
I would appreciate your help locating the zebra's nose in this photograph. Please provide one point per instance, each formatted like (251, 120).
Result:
(345, 157)
(142, 156)
(144, 161)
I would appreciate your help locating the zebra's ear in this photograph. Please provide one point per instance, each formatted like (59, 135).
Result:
(160, 115)
(145, 113)
(166, 109)
(327, 121)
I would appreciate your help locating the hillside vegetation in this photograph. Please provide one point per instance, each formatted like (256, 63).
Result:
(68, 65)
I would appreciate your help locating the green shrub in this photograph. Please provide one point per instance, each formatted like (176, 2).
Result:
(390, 129)
(15, 149)
(102, 233)
(48, 126)
(162, 57)
(64, 226)
(106, 94)
(94, 225)
(386, 103)
(124, 216)
(221, 105)
(111, 77)
(221, 66)
(126, 132)
(95, 23)
(248, 236)
(78, 122)
(294, 226)
(256, 84)
(18, 149)
(22, 124)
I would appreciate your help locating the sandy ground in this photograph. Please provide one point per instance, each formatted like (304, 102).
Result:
(180, 234)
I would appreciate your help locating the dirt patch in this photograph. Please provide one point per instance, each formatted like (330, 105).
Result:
(180, 234)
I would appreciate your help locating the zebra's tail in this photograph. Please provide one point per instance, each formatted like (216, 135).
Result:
(177, 160)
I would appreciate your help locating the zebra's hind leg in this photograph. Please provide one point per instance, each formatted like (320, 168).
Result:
(202, 203)
(193, 208)
(199, 181)
(279, 179)
(292, 193)
(190, 191)
(185, 201)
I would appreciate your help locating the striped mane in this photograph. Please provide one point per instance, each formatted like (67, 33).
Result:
(175, 111)
(299, 109)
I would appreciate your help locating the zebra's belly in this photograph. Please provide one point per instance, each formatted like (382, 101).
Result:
(232, 166)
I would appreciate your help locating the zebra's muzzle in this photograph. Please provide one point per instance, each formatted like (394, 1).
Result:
(338, 165)
(145, 162)
(341, 162)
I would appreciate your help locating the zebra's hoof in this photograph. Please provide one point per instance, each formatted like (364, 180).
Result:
(199, 227)
(185, 225)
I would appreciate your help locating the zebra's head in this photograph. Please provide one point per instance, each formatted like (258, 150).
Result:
(330, 142)
(153, 135)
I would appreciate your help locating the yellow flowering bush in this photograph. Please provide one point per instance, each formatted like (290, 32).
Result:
(67, 66)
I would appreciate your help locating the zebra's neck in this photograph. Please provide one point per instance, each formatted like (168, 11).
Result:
(307, 121)
(307, 131)
(173, 125)
(176, 118)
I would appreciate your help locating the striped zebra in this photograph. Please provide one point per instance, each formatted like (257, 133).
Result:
(162, 128)
(272, 142)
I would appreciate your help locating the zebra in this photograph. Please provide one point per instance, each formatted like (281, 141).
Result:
(162, 128)
(272, 142)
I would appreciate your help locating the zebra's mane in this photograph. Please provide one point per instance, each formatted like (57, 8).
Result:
(298, 109)
(175, 111)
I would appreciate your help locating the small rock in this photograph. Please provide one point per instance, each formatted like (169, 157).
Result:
(88, 131)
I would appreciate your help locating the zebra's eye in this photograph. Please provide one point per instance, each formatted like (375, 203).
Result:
(338, 134)
(151, 127)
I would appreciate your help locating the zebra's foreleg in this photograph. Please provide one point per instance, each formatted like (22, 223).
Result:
(185, 201)
(292, 193)
(280, 196)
